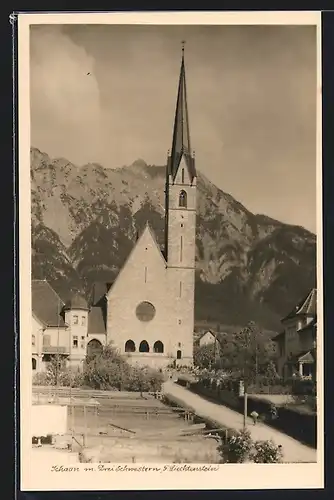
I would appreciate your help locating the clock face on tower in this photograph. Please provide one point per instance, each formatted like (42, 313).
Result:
(145, 311)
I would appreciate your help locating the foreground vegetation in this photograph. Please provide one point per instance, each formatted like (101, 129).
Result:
(240, 448)
(106, 370)
(249, 356)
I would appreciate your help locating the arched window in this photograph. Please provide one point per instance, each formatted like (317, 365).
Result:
(179, 354)
(144, 347)
(33, 340)
(183, 176)
(33, 363)
(183, 199)
(158, 347)
(130, 346)
(94, 347)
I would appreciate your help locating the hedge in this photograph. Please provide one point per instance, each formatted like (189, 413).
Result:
(299, 425)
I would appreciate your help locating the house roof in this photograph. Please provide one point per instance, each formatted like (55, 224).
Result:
(307, 306)
(278, 337)
(205, 333)
(76, 302)
(305, 356)
(46, 303)
(181, 135)
(96, 320)
(220, 336)
(311, 325)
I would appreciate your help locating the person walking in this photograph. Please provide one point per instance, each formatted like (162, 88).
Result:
(254, 416)
(273, 412)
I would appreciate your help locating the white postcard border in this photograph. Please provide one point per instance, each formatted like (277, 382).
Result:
(228, 476)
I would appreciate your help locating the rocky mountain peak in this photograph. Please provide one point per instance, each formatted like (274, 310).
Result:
(85, 221)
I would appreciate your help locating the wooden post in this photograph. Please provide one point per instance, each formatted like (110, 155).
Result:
(85, 424)
(72, 419)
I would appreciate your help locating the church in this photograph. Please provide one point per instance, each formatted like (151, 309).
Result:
(147, 313)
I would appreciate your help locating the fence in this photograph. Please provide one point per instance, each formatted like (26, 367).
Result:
(96, 416)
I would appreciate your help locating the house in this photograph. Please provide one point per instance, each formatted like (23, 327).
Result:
(147, 313)
(207, 338)
(70, 330)
(296, 344)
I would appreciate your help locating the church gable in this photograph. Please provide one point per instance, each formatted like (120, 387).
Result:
(144, 265)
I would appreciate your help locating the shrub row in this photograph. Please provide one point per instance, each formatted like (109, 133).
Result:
(105, 371)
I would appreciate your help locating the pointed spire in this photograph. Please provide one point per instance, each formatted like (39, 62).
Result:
(181, 136)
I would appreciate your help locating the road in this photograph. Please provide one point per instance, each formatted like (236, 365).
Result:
(293, 450)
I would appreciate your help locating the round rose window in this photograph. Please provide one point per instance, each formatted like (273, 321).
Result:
(145, 311)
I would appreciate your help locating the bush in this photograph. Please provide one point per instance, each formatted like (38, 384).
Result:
(204, 356)
(236, 448)
(108, 371)
(239, 448)
(64, 378)
(303, 387)
(266, 452)
(143, 379)
(41, 378)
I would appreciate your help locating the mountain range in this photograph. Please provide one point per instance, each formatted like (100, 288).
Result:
(85, 221)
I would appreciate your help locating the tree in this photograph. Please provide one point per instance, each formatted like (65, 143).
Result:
(106, 370)
(270, 375)
(249, 352)
(205, 356)
(109, 370)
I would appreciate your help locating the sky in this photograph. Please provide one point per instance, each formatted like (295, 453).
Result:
(107, 94)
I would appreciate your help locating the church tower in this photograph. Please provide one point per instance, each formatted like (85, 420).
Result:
(180, 223)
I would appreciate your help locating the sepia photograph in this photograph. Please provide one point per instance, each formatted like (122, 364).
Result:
(170, 250)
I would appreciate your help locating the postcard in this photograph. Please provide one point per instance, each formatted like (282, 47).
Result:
(170, 253)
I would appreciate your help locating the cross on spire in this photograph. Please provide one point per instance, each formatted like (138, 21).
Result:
(183, 44)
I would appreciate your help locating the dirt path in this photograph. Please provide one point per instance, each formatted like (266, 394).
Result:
(293, 450)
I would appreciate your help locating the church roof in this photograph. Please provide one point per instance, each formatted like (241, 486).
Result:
(148, 229)
(307, 306)
(98, 292)
(181, 135)
(46, 304)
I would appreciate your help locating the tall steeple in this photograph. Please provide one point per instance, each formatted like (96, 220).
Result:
(180, 191)
(181, 135)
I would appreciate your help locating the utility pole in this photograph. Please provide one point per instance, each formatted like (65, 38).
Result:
(243, 392)
(245, 409)
(256, 360)
(57, 350)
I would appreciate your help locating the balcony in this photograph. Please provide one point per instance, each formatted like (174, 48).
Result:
(53, 349)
